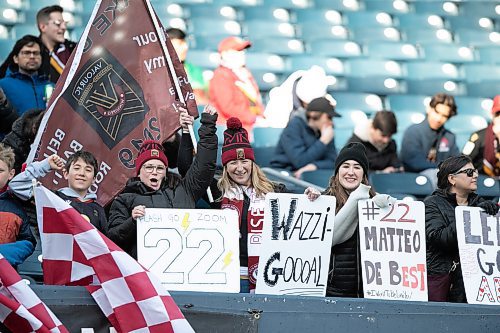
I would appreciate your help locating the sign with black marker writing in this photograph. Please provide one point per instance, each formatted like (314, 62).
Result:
(393, 252)
(296, 245)
(191, 249)
(479, 246)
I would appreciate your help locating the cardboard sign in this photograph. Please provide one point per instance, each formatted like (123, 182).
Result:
(479, 246)
(393, 251)
(296, 245)
(191, 249)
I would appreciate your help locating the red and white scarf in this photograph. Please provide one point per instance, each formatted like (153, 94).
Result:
(234, 199)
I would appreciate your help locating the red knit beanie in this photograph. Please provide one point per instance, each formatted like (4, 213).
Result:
(236, 145)
(150, 150)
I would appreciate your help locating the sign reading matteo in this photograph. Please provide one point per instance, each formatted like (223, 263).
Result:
(118, 88)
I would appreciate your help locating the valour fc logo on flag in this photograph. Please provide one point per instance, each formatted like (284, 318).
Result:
(107, 97)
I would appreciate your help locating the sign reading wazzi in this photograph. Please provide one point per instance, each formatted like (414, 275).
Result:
(479, 244)
(296, 245)
(191, 249)
(392, 243)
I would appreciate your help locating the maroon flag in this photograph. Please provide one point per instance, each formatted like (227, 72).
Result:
(117, 90)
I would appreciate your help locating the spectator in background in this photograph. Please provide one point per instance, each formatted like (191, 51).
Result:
(293, 96)
(457, 183)
(307, 143)
(16, 240)
(21, 81)
(7, 114)
(56, 49)
(483, 146)
(376, 135)
(194, 73)
(427, 144)
(233, 90)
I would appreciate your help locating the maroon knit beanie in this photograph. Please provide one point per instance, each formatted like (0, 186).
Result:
(150, 150)
(236, 145)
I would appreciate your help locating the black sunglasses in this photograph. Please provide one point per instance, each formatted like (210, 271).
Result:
(469, 172)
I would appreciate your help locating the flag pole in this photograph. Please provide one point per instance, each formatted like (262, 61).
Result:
(162, 37)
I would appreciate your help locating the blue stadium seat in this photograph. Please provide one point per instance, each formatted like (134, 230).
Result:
(340, 5)
(389, 7)
(367, 19)
(262, 29)
(488, 187)
(267, 80)
(319, 177)
(408, 118)
(448, 52)
(420, 35)
(204, 59)
(408, 103)
(474, 37)
(266, 13)
(432, 70)
(280, 46)
(289, 4)
(348, 120)
(461, 138)
(10, 16)
(342, 135)
(20, 30)
(478, 8)
(214, 12)
(5, 48)
(208, 42)
(209, 26)
(234, 3)
(377, 85)
(302, 61)
(474, 106)
(466, 123)
(310, 31)
(411, 183)
(266, 136)
(264, 155)
(431, 86)
(369, 68)
(482, 89)
(388, 34)
(335, 48)
(368, 103)
(265, 62)
(14, 4)
(319, 16)
(425, 21)
(481, 73)
(435, 7)
(489, 54)
(391, 50)
(470, 22)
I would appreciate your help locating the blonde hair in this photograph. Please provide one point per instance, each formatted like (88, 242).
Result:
(7, 156)
(340, 193)
(258, 181)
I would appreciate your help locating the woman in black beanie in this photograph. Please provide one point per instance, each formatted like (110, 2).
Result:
(457, 183)
(349, 184)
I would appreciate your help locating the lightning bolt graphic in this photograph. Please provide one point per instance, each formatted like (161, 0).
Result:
(227, 259)
(185, 222)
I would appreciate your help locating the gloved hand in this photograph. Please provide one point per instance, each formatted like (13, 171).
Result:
(489, 207)
(384, 200)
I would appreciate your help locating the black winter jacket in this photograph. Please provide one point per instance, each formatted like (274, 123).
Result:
(174, 193)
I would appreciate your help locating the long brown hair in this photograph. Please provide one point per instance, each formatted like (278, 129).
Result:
(340, 193)
(258, 181)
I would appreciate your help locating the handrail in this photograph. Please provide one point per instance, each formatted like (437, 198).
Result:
(285, 177)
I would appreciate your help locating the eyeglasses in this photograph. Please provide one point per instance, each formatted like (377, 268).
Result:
(30, 53)
(469, 172)
(316, 117)
(151, 168)
(58, 23)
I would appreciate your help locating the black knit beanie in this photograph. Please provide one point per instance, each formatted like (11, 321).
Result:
(353, 151)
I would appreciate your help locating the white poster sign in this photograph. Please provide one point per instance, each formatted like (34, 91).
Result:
(296, 245)
(191, 249)
(479, 246)
(393, 251)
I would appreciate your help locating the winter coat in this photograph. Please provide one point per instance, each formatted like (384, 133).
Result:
(441, 236)
(25, 92)
(16, 240)
(63, 52)
(299, 145)
(8, 116)
(173, 193)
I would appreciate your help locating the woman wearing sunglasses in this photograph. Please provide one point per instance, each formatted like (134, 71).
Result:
(457, 183)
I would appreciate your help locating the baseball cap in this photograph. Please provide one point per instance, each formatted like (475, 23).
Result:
(323, 104)
(233, 43)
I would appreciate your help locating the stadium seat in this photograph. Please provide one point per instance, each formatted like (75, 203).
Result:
(340, 5)
(335, 48)
(489, 54)
(436, 8)
(348, 120)
(412, 20)
(377, 85)
(390, 7)
(421, 36)
(367, 19)
(330, 65)
(466, 123)
(210, 26)
(204, 59)
(431, 86)
(461, 139)
(432, 70)
(369, 68)
(488, 187)
(267, 80)
(280, 46)
(10, 16)
(367, 103)
(265, 62)
(319, 177)
(266, 13)
(6, 46)
(264, 155)
(214, 12)
(234, 3)
(266, 136)
(391, 50)
(447, 53)
(262, 29)
(342, 135)
(408, 118)
(478, 8)
(481, 73)
(20, 30)
(208, 42)
(471, 23)
(375, 34)
(408, 103)
(289, 4)
(477, 37)
(474, 106)
(402, 183)
(317, 16)
(14, 4)
(309, 31)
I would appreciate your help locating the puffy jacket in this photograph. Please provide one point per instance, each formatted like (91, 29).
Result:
(8, 116)
(174, 193)
(25, 92)
(441, 236)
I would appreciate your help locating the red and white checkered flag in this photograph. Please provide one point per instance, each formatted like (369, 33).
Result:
(21, 310)
(132, 298)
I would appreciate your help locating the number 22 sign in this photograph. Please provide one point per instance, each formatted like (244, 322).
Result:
(191, 249)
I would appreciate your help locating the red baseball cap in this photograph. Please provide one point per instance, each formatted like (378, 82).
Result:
(496, 105)
(233, 43)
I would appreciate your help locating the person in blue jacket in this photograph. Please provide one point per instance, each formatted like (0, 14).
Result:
(24, 87)
(307, 143)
